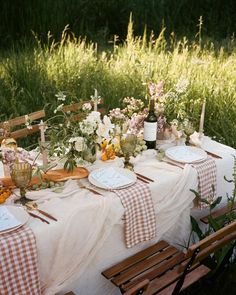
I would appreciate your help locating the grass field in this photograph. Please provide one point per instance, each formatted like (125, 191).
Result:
(30, 78)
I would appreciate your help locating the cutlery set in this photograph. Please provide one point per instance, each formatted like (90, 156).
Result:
(144, 178)
(34, 207)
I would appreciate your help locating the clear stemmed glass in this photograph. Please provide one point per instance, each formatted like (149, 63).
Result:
(21, 175)
(128, 143)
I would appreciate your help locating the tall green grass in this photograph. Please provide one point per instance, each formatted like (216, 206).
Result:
(30, 79)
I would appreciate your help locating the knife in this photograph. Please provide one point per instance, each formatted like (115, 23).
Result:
(40, 218)
(213, 155)
(144, 177)
(46, 214)
(34, 206)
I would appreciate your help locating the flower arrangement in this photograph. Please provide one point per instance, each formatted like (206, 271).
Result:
(76, 141)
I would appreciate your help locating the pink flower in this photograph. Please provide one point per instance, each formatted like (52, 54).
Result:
(156, 90)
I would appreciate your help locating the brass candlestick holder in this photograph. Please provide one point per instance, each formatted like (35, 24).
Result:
(21, 175)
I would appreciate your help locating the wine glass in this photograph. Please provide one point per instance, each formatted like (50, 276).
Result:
(128, 144)
(21, 175)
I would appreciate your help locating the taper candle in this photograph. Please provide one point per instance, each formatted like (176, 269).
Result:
(95, 102)
(201, 124)
(42, 138)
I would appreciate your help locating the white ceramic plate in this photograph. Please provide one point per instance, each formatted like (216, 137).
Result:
(186, 154)
(112, 177)
(20, 214)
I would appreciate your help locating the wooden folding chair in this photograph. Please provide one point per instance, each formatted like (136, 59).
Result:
(227, 209)
(75, 109)
(162, 269)
(23, 132)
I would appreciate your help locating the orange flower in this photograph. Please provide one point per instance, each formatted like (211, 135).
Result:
(108, 153)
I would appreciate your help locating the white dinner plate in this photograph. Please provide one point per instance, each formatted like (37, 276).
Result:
(112, 178)
(186, 154)
(20, 215)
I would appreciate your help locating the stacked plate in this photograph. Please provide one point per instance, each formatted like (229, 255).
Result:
(11, 218)
(186, 154)
(112, 178)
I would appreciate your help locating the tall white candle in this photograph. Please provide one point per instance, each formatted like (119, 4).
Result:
(42, 137)
(201, 125)
(95, 102)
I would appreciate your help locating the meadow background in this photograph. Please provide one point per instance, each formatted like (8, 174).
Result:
(76, 46)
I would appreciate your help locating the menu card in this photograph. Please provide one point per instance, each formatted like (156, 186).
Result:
(7, 220)
(111, 178)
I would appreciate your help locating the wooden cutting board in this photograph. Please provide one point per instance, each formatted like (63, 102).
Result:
(52, 175)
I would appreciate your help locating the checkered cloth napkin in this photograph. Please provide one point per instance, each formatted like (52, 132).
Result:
(140, 221)
(206, 171)
(18, 263)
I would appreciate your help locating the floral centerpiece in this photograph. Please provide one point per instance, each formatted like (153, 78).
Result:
(76, 141)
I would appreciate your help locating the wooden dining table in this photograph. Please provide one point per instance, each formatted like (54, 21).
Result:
(88, 235)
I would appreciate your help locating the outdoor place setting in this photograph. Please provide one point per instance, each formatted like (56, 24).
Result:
(117, 148)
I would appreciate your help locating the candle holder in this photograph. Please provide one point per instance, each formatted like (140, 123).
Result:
(21, 175)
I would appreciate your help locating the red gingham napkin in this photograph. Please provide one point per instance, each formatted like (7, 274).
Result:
(140, 221)
(18, 263)
(206, 171)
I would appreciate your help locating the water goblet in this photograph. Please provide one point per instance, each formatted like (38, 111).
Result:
(21, 175)
(128, 143)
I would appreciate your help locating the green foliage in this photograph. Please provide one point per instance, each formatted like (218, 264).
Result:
(214, 224)
(31, 78)
(100, 19)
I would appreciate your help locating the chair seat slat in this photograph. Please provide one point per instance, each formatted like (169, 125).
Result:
(144, 265)
(126, 263)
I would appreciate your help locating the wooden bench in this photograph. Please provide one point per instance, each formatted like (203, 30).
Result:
(23, 132)
(162, 269)
(228, 209)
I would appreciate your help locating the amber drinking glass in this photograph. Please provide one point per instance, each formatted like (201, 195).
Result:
(128, 144)
(21, 175)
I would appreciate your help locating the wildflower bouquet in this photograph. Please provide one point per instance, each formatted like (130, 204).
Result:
(73, 140)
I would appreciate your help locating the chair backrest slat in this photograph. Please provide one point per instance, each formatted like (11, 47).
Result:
(21, 120)
(210, 244)
(75, 107)
(221, 233)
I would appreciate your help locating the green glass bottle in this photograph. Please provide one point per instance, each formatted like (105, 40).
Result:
(150, 127)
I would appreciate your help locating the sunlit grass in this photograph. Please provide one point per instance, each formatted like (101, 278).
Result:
(31, 78)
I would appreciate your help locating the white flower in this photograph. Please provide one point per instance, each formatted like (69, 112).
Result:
(78, 142)
(28, 122)
(88, 127)
(58, 108)
(182, 85)
(107, 122)
(104, 129)
(94, 116)
(87, 106)
(61, 96)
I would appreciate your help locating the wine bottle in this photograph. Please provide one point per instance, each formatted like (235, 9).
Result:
(150, 127)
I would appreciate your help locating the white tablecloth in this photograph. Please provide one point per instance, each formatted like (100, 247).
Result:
(89, 234)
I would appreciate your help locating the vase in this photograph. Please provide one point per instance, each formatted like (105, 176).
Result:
(90, 153)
